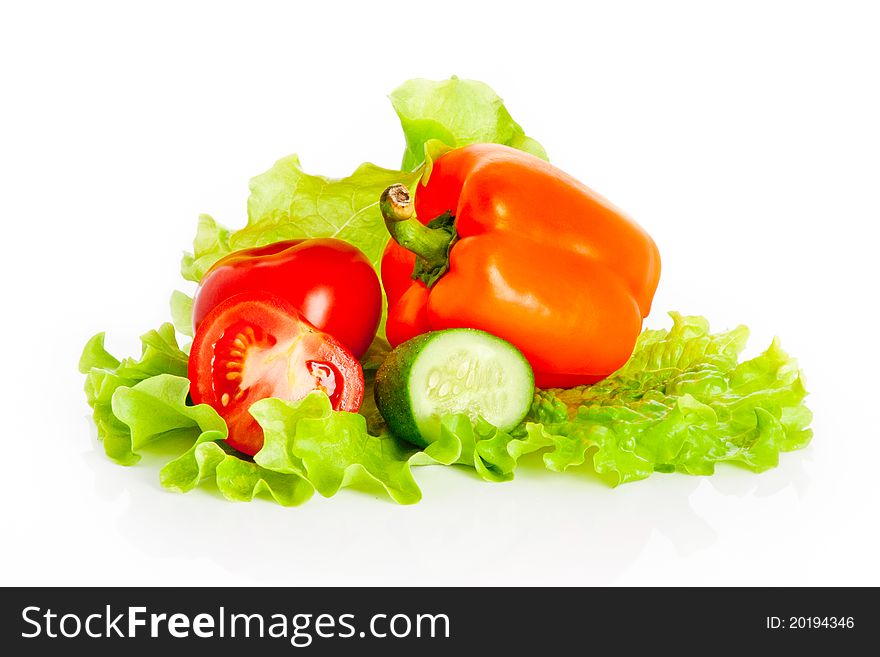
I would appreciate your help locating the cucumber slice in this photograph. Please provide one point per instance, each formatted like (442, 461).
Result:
(452, 371)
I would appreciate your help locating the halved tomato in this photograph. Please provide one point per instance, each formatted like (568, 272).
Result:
(331, 283)
(256, 345)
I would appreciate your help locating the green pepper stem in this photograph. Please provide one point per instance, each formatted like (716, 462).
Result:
(431, 245)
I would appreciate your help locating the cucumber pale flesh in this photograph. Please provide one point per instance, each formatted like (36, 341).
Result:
(452, 371)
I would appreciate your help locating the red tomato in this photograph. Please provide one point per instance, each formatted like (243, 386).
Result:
(329, 281)
(253, 346)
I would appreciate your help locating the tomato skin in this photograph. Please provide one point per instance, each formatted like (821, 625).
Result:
(255, 345)
(329, 281)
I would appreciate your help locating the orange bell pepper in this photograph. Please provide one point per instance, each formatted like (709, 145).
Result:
(504, 242)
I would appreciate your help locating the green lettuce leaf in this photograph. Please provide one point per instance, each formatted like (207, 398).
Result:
(181, 313)
(455, 112)
(333, 449)
(106, 375)
(160, 354)
(156, 408)
(236, 478)
(139, 402)
(682, 403)
(287, 203)
(376, 354)
(210, 244)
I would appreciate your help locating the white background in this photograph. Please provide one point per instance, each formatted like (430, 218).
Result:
(744, 136)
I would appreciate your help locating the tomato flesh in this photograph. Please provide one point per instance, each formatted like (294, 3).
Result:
(256, 345)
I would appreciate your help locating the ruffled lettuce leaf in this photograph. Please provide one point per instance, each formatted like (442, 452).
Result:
(139, 402)
(106, 375)
(156, 408)
(455, 112)
(682, 403)
(160, 354)
(237, 478)
(209, 245)
(181, 313)
(333, 449)
(287, 203)
(376, 354)
(308, 446)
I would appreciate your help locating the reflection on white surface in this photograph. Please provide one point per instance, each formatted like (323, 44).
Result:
(542, 528)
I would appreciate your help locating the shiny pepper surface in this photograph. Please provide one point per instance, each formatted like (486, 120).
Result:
(502, 241)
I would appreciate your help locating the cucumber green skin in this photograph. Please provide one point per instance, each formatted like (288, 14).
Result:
(391, 389)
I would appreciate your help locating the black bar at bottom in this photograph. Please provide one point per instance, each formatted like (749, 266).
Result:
(429, 621)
